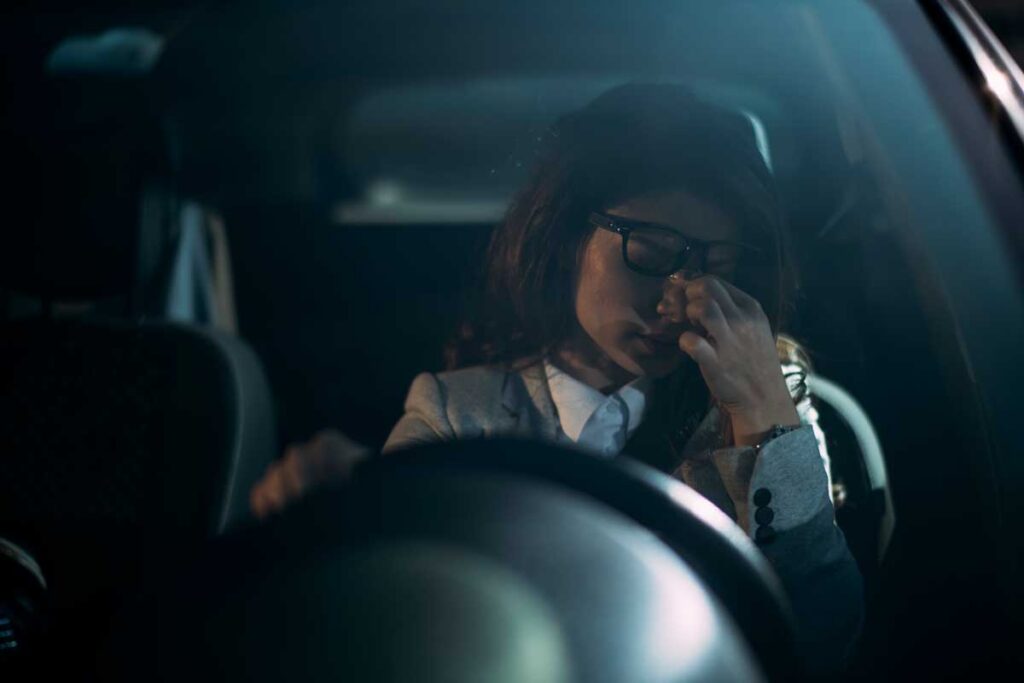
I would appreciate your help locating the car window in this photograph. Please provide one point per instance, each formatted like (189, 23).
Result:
(457, 151)
(387, 126)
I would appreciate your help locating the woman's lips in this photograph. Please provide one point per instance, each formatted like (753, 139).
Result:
(659, 343)
(663, 338)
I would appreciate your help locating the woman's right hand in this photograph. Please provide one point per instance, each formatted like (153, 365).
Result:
(329, 456)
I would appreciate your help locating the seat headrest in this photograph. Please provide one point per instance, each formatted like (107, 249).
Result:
(80, 154)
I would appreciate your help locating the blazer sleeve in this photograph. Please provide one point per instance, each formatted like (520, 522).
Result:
(425, 418)
(782, 500)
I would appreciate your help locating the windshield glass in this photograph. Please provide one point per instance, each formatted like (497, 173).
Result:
(769, 249)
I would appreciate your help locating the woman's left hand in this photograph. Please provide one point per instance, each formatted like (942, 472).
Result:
(736, 353)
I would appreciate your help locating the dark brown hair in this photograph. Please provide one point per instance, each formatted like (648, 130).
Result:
(632, 140)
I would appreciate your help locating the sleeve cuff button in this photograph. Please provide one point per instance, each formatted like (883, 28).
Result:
(762, 497)
(764, 534)
(764, 515)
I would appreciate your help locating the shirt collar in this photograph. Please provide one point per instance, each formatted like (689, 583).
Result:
(576, 401)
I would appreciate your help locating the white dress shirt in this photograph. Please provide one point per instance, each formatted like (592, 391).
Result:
(596, 422)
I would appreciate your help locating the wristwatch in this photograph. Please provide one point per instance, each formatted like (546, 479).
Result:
(773, 433)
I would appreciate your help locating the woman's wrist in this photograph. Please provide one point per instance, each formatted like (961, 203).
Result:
(749, 429)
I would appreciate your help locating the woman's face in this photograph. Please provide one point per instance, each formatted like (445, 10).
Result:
(617, 307)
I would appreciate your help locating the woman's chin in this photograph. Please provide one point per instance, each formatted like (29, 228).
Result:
(658, 368)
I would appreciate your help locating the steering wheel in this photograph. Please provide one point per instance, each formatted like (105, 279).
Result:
(490, 553)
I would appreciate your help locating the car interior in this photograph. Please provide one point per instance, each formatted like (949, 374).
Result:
(229, 228)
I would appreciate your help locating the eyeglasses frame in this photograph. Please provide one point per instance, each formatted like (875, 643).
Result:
(624, 229)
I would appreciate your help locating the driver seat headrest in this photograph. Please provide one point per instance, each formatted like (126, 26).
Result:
(83, 156)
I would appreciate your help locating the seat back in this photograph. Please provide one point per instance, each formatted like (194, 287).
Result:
(864, 502)
(124, 443)
(157, 425)
(852, 455)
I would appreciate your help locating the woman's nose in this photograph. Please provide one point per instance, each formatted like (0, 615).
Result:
(671, 301)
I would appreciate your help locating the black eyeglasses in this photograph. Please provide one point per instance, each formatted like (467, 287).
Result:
(659, 251)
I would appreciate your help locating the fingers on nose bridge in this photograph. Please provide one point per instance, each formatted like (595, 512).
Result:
(670, 296)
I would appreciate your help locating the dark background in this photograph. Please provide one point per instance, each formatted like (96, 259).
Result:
(1006, 19)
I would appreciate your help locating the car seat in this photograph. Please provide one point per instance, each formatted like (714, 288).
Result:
(126, 441)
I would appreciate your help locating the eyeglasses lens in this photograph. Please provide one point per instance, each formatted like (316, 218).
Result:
(660, 252)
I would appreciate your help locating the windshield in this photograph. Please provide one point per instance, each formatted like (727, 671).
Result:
(694, 234)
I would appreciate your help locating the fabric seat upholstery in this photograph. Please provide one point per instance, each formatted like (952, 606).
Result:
(124, 447)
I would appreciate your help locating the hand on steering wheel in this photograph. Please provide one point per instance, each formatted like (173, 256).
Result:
(328, 457)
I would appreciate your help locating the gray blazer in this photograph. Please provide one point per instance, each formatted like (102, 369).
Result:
(788, 477)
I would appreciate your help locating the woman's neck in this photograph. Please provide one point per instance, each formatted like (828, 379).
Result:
(589, 365)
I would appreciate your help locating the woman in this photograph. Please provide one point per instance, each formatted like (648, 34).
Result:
(634, 294)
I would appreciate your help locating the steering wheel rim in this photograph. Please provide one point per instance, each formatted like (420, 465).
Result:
(706, 539)
(360, 511)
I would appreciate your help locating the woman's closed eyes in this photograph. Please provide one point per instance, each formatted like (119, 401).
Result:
(658, 250)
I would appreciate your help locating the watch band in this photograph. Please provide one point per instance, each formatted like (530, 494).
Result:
(773, 433)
